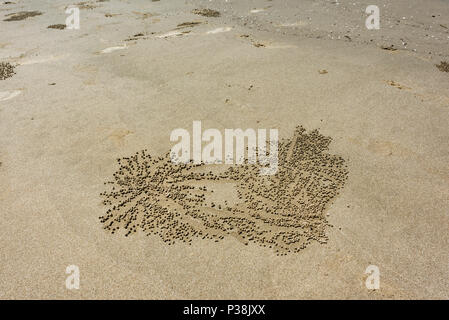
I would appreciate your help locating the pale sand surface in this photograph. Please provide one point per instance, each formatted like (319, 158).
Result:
(59, 143)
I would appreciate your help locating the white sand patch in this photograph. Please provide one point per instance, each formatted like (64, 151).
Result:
(257, 10)
(280, 46)
(6, 95)
(170, 34)
(292, 24)
(42, 59)
(112, 49)
(219, 30)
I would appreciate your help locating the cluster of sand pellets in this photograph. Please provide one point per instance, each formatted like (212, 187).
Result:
(181, 202)
(206, 12)
(443, 66)
(6, 70)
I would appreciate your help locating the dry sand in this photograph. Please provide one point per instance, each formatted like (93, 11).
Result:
(78, 100)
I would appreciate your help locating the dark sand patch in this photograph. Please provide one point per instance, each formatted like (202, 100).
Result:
(183, 202)
(188, 24)
(57, 26)
(206, 12)
(397, 85)
(390, 48)
(144, 15)
(22, 15)
(6, 70)
(86, 5)
(137, 36)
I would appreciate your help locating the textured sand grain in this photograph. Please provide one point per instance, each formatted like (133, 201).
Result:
(59, 143)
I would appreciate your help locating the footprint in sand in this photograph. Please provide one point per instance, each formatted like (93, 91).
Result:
(117, 136)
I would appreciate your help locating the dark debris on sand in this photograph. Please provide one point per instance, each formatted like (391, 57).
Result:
(135, 37)
(443, 66)
(206, 12)
(389, 48)
(57, 26)
(22, 15)
(188, 24)
(86, 5)
(6, 70)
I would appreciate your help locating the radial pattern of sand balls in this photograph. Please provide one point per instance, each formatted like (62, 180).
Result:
(180, 202)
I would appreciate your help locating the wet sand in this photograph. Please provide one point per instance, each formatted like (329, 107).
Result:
(78, 100)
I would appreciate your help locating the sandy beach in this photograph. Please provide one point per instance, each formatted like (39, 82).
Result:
(76, 105)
